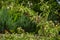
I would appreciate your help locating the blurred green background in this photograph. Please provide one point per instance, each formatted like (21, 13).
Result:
(29, 20)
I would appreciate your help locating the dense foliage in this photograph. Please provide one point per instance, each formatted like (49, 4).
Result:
(29, 20)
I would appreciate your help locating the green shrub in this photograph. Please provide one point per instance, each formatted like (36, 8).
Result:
(33, 19)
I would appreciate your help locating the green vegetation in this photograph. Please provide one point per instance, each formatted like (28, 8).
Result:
(29, 20)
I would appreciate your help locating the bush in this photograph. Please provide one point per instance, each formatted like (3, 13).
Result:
(39, 19)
